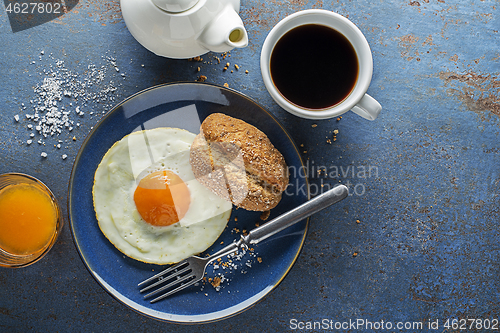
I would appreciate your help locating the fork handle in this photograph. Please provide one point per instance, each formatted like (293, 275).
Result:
(297, 214)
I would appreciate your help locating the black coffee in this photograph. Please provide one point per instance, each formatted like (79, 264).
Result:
(314, 66)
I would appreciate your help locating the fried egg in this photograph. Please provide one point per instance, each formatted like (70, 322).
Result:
(149, 204)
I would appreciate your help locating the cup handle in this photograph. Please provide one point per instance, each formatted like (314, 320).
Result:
(367, 108)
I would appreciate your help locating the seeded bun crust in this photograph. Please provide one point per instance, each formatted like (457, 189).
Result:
(237, 162)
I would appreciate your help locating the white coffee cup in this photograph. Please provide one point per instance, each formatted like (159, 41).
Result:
(358, 100)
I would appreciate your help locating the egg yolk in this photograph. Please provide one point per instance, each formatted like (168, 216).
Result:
(28, 219)
(162, 198)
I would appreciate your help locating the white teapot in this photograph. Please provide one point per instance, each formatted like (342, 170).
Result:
(185, 28)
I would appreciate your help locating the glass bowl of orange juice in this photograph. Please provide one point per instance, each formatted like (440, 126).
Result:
(30, 220)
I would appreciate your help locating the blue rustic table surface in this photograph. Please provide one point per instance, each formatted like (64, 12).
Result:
(417, 240)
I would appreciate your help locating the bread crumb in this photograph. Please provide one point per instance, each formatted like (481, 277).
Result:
(216, 281)
(201, 78)
(335, 132)
(355, 254)
(246, 72)
(259, 259)
(314, 125)
(358, 221)
(226, 85)
(236, 66)
(265, 215)
(74, 138)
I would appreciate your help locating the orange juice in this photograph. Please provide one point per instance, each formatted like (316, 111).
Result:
(28, 219)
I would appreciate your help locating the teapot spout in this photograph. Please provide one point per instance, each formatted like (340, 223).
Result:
(224, 32)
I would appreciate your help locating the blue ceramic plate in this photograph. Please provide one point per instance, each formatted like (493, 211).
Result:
(185, 105)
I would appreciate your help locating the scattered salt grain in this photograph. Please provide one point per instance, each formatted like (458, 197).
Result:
(64, 156)
(43, 154)
(64, 93)
(235, 263)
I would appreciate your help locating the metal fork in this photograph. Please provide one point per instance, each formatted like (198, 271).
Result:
(192, 269)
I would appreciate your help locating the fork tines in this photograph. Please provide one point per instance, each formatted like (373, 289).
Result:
(177, 277)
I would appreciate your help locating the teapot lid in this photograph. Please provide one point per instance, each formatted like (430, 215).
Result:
(175, 6)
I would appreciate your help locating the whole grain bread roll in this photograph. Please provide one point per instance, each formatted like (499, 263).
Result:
(236, 161)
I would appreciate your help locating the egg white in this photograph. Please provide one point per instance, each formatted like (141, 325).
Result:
(116, 179)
